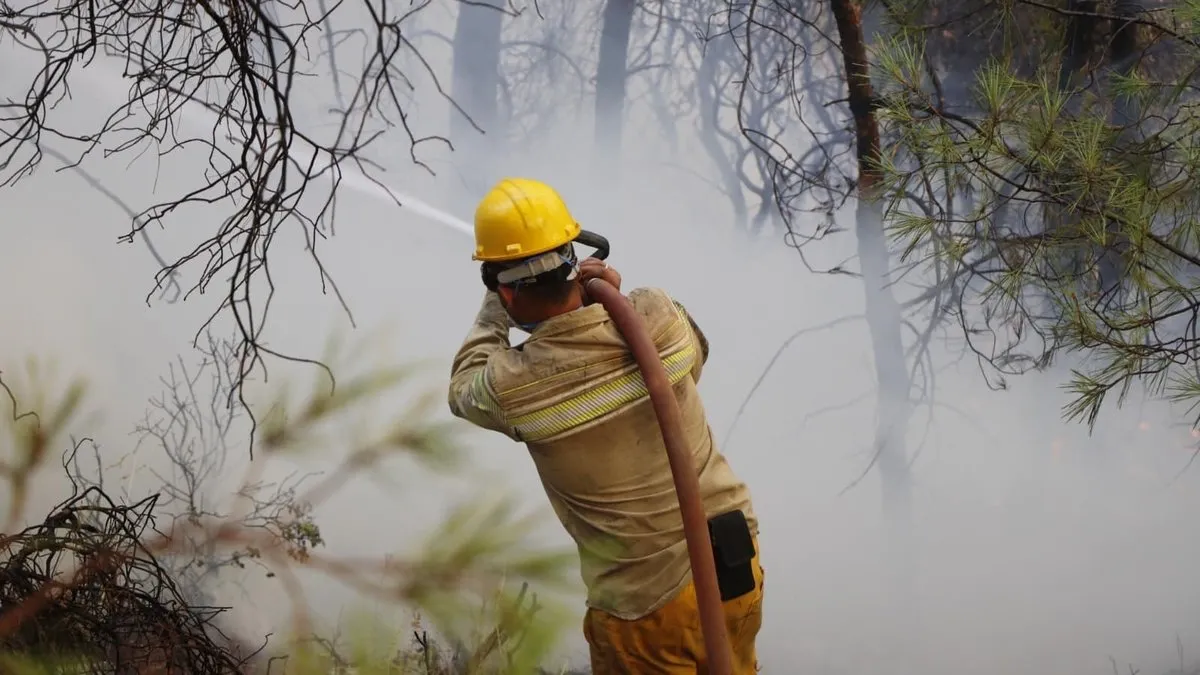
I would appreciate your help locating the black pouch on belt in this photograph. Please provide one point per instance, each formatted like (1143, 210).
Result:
(733, 551)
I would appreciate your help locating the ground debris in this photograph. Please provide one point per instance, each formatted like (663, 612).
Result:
(80, 589)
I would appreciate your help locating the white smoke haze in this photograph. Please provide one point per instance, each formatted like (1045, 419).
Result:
(1036, 548)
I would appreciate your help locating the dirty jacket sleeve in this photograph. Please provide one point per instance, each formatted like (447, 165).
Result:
(698, 338)
(471, 394)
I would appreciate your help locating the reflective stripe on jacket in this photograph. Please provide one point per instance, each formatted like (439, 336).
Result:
(573, 394)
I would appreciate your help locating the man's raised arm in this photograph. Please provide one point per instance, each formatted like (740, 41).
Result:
(471, 396)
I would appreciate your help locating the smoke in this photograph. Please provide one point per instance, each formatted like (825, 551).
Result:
(1037, 547)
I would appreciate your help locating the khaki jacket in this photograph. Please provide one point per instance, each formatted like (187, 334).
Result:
(573, 394)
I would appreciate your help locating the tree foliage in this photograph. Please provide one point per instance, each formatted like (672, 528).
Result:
(1068, 210)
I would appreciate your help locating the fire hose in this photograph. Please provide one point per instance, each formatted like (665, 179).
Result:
(683, 469)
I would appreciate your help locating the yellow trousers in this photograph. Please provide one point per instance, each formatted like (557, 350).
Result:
(668, 641)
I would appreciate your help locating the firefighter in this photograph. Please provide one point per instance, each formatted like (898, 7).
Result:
(572, 393)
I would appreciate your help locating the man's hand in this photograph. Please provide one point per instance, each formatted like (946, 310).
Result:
(591, 268)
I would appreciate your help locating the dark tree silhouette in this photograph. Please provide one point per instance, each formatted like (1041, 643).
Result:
(611, 77)
(474, 122)
(509, 98)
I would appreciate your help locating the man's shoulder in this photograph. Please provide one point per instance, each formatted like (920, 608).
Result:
(649, 298)
(648, 292)
(561, 354)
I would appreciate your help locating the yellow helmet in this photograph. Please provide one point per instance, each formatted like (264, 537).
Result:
(519, 218)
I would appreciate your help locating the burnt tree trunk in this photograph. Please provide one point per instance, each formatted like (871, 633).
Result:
(475, 88)
(611, 75)
(884, 321)
(882, 309)
(1080, 29)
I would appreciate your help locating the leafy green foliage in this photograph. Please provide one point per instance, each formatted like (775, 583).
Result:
(1062, 198)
